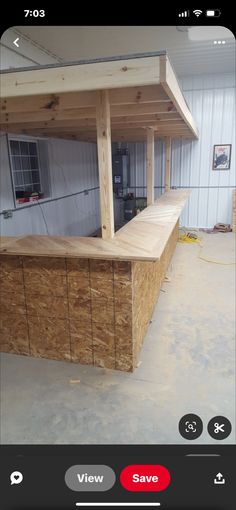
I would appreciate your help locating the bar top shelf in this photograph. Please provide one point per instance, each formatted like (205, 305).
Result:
(143, 238)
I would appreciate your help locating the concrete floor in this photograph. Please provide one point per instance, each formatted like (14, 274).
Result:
(187, 366)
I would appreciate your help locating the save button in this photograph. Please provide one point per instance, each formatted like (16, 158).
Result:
(145, 478)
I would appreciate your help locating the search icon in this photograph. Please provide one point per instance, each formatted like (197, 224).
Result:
(16, 477)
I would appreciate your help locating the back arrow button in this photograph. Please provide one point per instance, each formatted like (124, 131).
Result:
(16, 42)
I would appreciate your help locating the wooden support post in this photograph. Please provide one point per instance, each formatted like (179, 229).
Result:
(105, 163)
(168, 163)
(150, 166)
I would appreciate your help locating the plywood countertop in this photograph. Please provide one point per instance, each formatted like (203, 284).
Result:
(143, 238)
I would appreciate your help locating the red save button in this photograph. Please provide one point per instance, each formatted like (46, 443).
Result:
(145, 478)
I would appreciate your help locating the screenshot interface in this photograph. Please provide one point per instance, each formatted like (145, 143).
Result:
(117, 263)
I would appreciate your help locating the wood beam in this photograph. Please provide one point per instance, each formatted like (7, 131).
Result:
(51, 103)
(105, 163)
(150, 166)
(82, 77)
(171, 87)
(117, 135)
(167, 163)
(86, 136)
(162, 109)
(83, 115)
(88, 126)
(157, 107)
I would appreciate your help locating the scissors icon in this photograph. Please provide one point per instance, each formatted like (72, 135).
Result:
(218, 428)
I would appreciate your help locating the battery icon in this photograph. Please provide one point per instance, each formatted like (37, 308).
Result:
(213, 13)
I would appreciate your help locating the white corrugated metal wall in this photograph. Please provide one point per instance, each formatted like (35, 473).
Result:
(73, 169)
(212, 102)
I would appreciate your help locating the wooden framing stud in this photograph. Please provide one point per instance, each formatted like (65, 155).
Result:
(150, 166)
(105, 163)
(168, 163)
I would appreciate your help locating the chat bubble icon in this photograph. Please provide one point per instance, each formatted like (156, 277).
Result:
(16, 477)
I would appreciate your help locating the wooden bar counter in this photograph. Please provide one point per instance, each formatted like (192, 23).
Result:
(87, 300)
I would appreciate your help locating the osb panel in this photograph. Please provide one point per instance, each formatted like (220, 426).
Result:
(102, 311)
(10, 263)
(83, 355)
(12, 302)
(104, 361)
(90, 311)
(81, 342)
(124, 362)
(46, 306)
(49, 338)
(102, 269)
(123, 313)
(102, 288)
(80, 309)
(14, 334)
(147, 281)
(123, 291)
(76, 267)
(78, 286)
(123, 339)
(11, 281)
(104, 338)
(45, 266)
(50, 285)
(122, 270)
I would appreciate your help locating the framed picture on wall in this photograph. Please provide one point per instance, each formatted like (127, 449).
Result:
(221, 157)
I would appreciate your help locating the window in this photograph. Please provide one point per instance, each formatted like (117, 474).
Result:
(25, 165)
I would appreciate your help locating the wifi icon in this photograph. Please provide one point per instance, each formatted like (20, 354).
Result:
(197, 12)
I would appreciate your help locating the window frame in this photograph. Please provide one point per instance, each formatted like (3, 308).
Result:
(22, 138)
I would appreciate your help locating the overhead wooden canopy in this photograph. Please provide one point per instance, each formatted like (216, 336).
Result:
(61, 101)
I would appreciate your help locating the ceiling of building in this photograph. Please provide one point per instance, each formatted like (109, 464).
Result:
(81, 42)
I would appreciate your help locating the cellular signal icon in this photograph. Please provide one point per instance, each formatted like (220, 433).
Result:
(184, 14)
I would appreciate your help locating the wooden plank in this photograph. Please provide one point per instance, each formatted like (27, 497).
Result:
(90, 136)
(150, 166)
(48, 116)
(87, 125)
(172, 89)
(48, 102)
(163, 110)
(105, 164)
(116, 137)
(154, 108)
(116, 128)
(142, 119)
(234, 211)
(82, 116)
(83, 77)
(141, 138)
(84, 99)
(142, 238)
(130, 131)
(167, 163)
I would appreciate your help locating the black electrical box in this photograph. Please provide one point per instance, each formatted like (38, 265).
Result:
(120, 171)
(129, 209)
